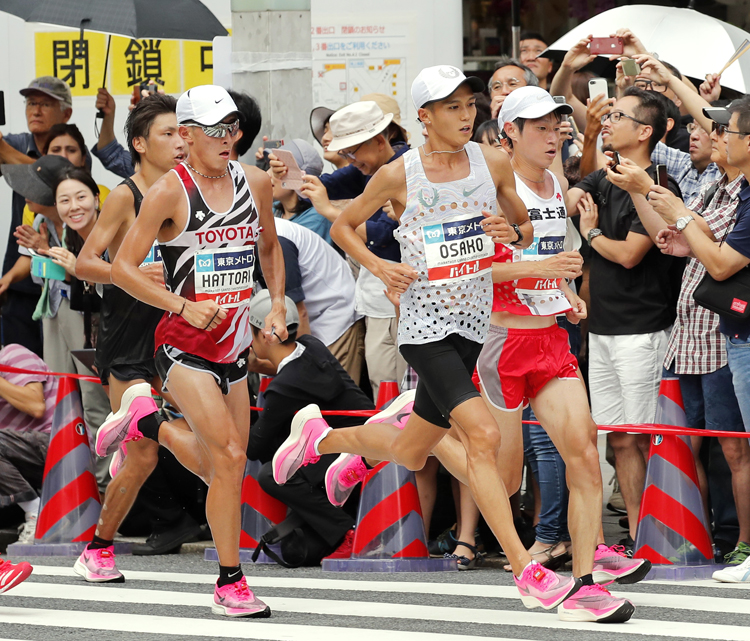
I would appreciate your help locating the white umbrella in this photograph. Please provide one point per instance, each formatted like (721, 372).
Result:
(693, 42)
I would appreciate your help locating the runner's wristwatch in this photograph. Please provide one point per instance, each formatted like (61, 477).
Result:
(517, 229)
(681, 223)
(593, 233)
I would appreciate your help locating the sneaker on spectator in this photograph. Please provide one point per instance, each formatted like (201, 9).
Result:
(98, 566)
(342, 477)
(11, 574)
(122, 426)
(594, 603)
(398, 412)
(444, 544)
(542, 587)
(27, 531)
(238, 600)
(343, 551)
(117, 459)
(611, 564)
(616, 503)
(300, 447)
(738, 555)
(627, 544)
(732, 574)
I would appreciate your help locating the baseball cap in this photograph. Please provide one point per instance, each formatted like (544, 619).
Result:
(720, 115)
(357, 123)
(260, 307)
(318, 119)
(529, 102)
(36, 182)
(437, 83)
(206, 105)
(307, 158)
(50, 86)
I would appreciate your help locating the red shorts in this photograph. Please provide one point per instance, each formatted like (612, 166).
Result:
(515, 364)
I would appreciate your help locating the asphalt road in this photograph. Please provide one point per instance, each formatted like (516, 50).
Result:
(168, 598)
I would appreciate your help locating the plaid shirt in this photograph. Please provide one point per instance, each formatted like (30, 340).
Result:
(695, 345)
(681, 168)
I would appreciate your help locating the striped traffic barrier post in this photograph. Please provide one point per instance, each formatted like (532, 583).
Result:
(672, 530)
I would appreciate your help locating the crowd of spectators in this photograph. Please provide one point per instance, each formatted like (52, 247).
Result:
(642, 263)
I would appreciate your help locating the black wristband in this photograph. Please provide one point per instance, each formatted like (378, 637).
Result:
(212, 319)
(517, 229)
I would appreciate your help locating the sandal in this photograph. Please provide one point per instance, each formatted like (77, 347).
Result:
(464, 562)
(552, 562)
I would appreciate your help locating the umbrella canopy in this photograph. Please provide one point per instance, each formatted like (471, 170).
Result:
(177, 19)
(693, 42)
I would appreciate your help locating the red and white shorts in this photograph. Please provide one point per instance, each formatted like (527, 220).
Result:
(515, 364)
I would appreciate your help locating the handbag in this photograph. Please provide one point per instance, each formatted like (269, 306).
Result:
(729, 298)
(83, 298)
(300, 545)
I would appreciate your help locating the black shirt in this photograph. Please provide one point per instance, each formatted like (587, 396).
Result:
(624, 301)
(739, 240)
(313, 377)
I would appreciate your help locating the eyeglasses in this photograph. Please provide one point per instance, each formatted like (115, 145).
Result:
(512, 84)
(650, 85)
(34, 104)
(614, 116)
(350, 154)
(219, 130)
(722, 129)
(694, 126)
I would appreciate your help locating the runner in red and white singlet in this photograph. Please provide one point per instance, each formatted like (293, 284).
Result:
(212, 218)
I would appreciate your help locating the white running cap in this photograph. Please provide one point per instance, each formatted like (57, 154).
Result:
(529, 102)
(437, 83)
(206, 105)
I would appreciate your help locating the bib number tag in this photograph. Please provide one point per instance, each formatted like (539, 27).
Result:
(225, 275)
(153, 256)
(457, 250)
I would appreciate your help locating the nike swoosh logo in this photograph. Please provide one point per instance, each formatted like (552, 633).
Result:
(401, 417)
(469, 192)
(234, 574)
(218, 101)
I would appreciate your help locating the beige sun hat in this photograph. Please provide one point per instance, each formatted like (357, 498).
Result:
(356, 123)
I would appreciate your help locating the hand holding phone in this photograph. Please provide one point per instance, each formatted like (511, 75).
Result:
(268, 147)
(615, 161)
(293, 178)
(661, 176)
(607, 46)
(630, 67)
(597, 87)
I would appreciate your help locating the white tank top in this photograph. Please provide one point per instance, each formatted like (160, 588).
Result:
(535, 296)
(441, 238)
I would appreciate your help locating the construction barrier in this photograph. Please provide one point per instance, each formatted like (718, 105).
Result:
(672, 529)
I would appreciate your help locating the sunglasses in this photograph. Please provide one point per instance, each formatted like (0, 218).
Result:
(220, 129)
(350, 154)
(722, 129)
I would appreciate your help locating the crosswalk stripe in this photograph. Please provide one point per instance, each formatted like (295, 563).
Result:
(223, 629)
(643, 599)
(648, 627)
(704, 583)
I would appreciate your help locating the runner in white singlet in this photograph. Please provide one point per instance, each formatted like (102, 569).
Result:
(444, 195)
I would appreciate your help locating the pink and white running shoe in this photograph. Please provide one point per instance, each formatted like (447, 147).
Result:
(11, 574)
(98, 566)
(117, 460)
(595, 604)
(301, 446)
(540, 587)
(398, 412)
(611, 564)
(342, 477)
(238, 600)
(122, 426)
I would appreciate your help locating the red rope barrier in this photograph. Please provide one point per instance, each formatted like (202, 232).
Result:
(644, 428)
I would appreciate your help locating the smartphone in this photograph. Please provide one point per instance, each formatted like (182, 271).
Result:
(293, 178)
(630, 67)
(2, 108)
(606, 46)
(151, 87)
(615, 161)
(597, 87)
(560, 100)
(268, 147)
(661, 176)
(573, 124)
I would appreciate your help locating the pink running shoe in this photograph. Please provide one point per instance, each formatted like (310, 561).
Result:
(123, 426)
(542, 587)
(117, 459)
(611, 564)
(342, 477)
(397, 413)
(98, 566)
(595, 604)
(301, 446)
(238, 600)
(12, 574)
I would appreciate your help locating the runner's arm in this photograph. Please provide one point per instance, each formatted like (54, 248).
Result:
(269, 251)
(511, 205)
(90, 266)
(562, 265)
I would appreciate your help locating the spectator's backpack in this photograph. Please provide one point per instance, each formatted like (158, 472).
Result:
(297, 542)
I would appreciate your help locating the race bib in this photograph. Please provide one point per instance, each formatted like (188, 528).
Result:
(457, 250)
(225, 275)
(154, 255)
(542, 295)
